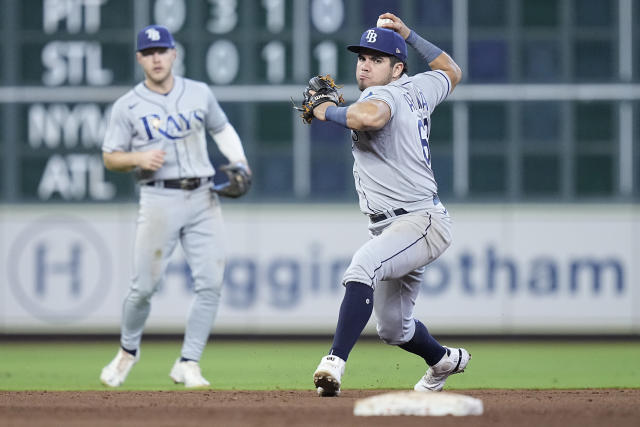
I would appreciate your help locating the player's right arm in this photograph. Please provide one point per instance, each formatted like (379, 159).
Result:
(121, 161)
(434, 56)
(445, 63)
(117, 154)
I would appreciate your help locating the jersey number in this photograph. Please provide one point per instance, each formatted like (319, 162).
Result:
(423, 130)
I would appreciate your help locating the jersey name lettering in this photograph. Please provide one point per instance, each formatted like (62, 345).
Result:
(421, 101)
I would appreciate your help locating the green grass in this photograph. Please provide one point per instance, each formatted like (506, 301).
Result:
(289, 365)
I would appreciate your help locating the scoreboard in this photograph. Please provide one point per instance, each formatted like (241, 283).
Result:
(65, 61)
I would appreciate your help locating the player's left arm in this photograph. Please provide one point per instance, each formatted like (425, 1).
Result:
(230, 146)
(366, 115)
(237, 170)
(223, 132)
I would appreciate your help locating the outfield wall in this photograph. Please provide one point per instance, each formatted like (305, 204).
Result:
(511, 269)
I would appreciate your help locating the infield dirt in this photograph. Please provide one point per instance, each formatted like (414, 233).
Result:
(521, 408)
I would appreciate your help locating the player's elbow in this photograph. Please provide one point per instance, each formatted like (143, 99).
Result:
(455, 75)
(107, 159)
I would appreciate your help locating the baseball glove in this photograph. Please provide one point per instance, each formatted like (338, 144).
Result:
(239, 180)
(324, 90)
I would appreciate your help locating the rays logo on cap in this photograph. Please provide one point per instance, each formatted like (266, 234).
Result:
(153, 34)
(371, 36)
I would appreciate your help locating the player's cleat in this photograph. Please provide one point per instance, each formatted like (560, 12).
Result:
(188, 373)
(114, 374)
(327, 376)
(453, 362)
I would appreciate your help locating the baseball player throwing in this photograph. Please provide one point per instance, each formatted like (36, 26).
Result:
(157, 129)
(408, 225)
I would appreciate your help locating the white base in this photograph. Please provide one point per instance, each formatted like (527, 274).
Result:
(418, 403)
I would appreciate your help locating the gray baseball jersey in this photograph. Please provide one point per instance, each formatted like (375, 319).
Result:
(143, 120)
(404, 178)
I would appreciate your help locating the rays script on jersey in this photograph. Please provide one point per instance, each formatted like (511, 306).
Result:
(173, 127)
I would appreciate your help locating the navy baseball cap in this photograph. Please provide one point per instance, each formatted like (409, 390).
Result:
(382, 40)
(154, 36)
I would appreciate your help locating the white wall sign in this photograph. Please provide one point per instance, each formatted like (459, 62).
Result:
(510, 269)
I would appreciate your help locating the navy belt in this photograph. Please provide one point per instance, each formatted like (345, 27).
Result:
(396, 212)
(384, 215)
(183, 184)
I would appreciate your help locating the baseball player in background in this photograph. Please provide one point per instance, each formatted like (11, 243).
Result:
(158, 129)
(409, 226)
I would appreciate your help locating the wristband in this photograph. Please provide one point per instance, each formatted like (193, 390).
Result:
(337, 115)
(428, 51)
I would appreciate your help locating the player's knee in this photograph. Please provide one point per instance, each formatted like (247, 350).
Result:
(447, 239)
(361, 270)
(209, 294)
(442, 237)
(140, 295)
(391, 337)
(209, 276)
(358, 274)
(209, 286)
(393, 328)
(388, 330)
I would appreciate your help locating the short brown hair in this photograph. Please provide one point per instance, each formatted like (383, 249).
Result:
(394, 60)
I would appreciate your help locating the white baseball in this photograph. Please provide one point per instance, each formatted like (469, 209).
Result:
(382, 21)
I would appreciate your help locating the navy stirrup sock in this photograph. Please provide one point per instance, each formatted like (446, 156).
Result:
(355, 311)
(424, 345)
(131, 352)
